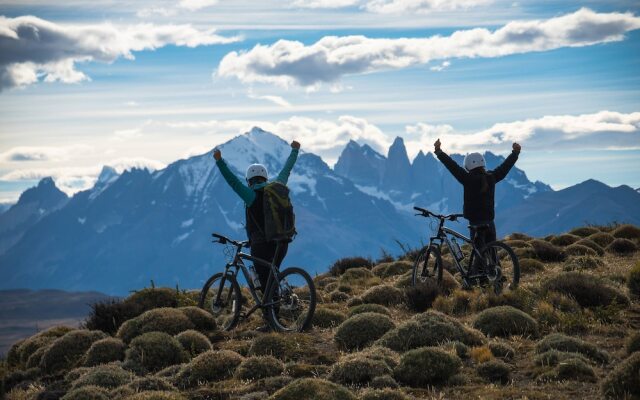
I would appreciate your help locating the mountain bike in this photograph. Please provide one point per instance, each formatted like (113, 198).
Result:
(493, 263)
(288, 299)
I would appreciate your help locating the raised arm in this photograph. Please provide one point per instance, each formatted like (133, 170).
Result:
(457, 171)
(283, 176)
(503, 169)
(246, 194)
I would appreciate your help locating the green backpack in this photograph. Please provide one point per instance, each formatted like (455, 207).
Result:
(279, 219)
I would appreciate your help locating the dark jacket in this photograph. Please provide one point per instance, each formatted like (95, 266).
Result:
(479, 186)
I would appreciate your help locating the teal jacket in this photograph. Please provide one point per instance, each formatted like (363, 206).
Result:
(247, 193)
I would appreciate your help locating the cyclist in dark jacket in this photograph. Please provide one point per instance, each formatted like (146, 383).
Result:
(479, 190)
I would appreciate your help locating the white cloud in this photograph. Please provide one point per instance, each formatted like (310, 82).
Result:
(421, 6)
(324, 3)
(32, 48)
(193, 5)
(288, 63)
(604, 130)
(441, 67)
(42, 153)
(274, 99)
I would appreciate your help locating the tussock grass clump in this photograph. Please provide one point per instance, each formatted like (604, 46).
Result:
(505, 321)
(584, 231)
(66, 352)
(20, 352)
(560, 342)
(623, 380)
(385, 295)
(357, 369)
(271, 344)
(480, 354)
(419, 298)
(382, 394)
(621, 247)
(157, 395)
(212, 366)
(633, 280)
(426, 366)
(313, 389)
(458, 303)
(303, 370)
(361, 330)
(194, 342)
(386, 270)
(384, 381)
(153, 351)
(518, 236)
(581, 263)
(586, 289)
(358, 277)
(87, 393)
(518, 244)
(529, 265)
(323, 280)
(633, 343)
(363, 308)
(565, 239)
(603, 239)
(574, 369)
(150, 383)
(108, 376)
(525, 252)
(338, 297)
(327, 318)
(546, 251)
(579, 250)
(342, 265)
(201, 319)
(551, 358)
(168, 320)
(259, 367)
(502, 350)
(626, 232)
(495, 371)
(429, 329)
(592, 245)
(105, 351)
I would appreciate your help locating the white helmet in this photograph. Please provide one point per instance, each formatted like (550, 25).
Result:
(473, 160)
(256, 170)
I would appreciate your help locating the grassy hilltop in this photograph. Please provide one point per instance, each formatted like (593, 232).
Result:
(572, 330)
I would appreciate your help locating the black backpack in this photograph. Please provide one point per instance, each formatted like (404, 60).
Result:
(279, 219)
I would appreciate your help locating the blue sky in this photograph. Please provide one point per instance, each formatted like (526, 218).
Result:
(561, 80)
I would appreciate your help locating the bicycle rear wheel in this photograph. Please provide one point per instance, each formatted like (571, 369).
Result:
(501, 266)
(294, 299)
(221, 296)
(428, 265)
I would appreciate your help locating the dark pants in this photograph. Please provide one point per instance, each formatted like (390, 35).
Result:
(267, 252)
(480, 237)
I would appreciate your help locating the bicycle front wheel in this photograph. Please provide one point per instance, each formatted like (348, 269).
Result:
(294, 301)
(501, 266)
(428, 265)
(221, 296)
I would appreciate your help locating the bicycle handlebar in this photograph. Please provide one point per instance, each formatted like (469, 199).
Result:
(426, 213)
(224, 240)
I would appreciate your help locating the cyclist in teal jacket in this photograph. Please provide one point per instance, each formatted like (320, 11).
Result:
(251, 194)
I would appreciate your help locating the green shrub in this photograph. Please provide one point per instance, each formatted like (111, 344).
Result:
(323, 280)
(621, 247)
(502, 350)
(564, 239)
(518, 236)
(354, 301)
(384, 295)
(271, 344)
(358, 369)
(361, 330)
(303, 370)
(633, 343)
(429, 329)
(157, 395)
(633, 280)
(584, 231)
(603, 239)
(341, 266)
(369, 307)
(626, 232)
(494, 371)
(390, 269)
(575, 369)
(67, 351)
(425, 366)
(193, 342)
(87, 393)
(344, 288)
(13, 355)
(338, 297)
(170, 372)
(150, 383)
(592, 245)
(623, 380)
(327, 318)
(154, 351)
(518, 244)
(31, 345)
(201, 319)
(108, 376)
(313, 389)
(212, 366)
(461, 349)
(551, 358)
(404, 281)
(560, 342)
(358, 277)
(105, 351)
(505, 321)
(581, 263)
(547, 252)
(259, 367)
(34, 360)
(579, 250)
(384, 394)
(529, 265)
(419, 298)
(19, 377)
(168, 320)
(587, 290)
(384, 381)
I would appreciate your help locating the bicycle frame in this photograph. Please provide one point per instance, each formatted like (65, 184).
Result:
(442, 237)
